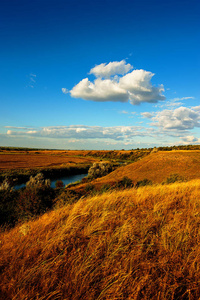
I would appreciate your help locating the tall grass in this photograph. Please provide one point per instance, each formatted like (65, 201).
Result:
(134, 244)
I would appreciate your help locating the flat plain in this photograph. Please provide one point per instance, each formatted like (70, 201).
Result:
(41, 159)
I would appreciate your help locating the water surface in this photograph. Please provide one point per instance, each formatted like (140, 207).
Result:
(65, 179)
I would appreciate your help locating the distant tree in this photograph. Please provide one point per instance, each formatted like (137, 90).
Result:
(100, 169)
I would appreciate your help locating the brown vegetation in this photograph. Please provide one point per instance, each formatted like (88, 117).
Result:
(41, 159)
(157, 167)
(134, 244)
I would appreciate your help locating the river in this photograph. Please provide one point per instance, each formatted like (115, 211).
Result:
(65, 179)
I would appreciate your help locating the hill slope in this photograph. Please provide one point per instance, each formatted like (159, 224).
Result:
(158, 166)
(133, 244)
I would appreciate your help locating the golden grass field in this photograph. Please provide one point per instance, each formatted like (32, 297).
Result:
(42, 159)
(134, 244)
(158, 166)
(21, 159)
(138, 243)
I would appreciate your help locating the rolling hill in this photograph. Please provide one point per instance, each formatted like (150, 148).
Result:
(157, 167)
(134, 244)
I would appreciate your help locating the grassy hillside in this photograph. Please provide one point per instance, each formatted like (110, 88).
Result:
(134, 244)
(158, 166)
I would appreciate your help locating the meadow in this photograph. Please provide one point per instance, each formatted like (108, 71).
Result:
(132, 234)
(10, 160)
(133, 244)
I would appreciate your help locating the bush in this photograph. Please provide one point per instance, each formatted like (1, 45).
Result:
(17, 205)
(66, 197)
(106, 187)
(174, 178)
(89, 187)
(100, 169)
(59, 184)
(38, 181)
(143, 182)
(8, 201)
(124, 183)
(6, 185)
(34, 201)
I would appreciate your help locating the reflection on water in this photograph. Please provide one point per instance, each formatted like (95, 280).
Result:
(65, 179)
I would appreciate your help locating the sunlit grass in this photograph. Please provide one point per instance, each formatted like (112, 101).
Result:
(134, 244)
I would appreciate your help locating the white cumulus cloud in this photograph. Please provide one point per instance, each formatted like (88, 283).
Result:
(100, 90)
(138, 86)
(190, 139)
(181, 118)
(112, 68)
(134, 86)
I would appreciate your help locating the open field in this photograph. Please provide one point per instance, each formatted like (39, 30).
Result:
(20, 159)
(134, 244)
(41, 159)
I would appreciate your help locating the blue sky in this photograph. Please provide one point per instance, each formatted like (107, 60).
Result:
(99, 74)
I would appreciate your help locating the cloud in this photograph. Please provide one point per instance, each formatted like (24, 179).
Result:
(123, 112)
(19, 128)
(134, 86)
(100, 90)
(32, 80)
(183, 98)
(181, 118)
(81, 132)
(112, 68)
(65, 91)
(197, 108)
(139, 87)
(147, 115)
(190, 140)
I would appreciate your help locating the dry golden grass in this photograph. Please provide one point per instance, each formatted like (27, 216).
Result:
(134, 244)
(158, 166)
(41, 159)
(21, 159)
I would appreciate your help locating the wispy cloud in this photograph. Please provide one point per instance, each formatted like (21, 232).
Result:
(32, 80)
(175, 102)
(124, 112)
(65, 91)
(183, 98)
(147, 115)
(84, 132)
(168, 126)
(19, 128)
(116, 82)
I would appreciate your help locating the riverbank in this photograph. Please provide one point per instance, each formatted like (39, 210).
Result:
(19, 176)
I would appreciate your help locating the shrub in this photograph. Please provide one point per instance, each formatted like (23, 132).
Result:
(100, 169)
(124, 183)
(105, 187)
(6, 185)
(143, 182)
(64, 198)
(38, 181)
(174, 178)
(34, 201)
(8, 200)
(89, 187)
(59, 184)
